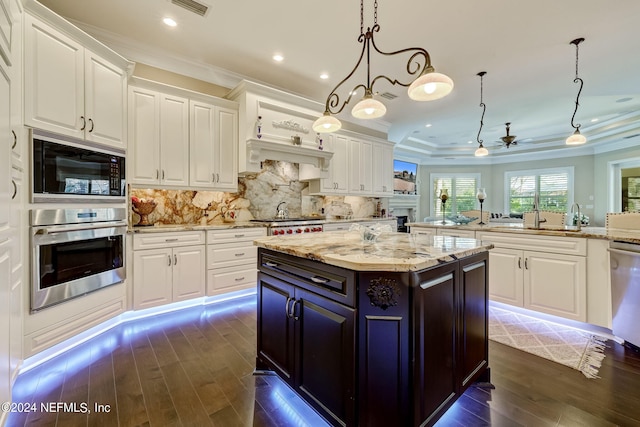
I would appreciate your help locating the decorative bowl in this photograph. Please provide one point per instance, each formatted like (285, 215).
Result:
(461, 219)
(143, 208)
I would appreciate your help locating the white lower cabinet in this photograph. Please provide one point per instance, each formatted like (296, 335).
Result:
(232, 259)
(167, 267)
(456, 232)
(550, 279)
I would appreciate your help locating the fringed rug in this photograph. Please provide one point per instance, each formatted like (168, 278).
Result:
(567, 346)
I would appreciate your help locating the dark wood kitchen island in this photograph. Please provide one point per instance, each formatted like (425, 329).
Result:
(385, 333)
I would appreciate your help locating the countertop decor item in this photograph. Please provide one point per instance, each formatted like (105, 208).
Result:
(143, 207)
(425, 83)
(461, 219)
(444, 195)
(576, 138)
(481, 195)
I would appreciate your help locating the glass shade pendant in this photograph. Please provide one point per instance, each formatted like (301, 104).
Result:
(576, 138)
(368, 108)
(481, 151)
(430, 86)
(327, 123)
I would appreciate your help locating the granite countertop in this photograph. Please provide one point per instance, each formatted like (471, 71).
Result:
(391, 251)
(631, 236)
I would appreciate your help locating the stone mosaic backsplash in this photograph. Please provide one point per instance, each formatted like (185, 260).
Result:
(258, 197)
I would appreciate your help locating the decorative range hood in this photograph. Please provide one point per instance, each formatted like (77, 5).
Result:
(269, 120)
(259, 150)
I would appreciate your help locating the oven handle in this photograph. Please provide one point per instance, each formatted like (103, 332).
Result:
(77, 227)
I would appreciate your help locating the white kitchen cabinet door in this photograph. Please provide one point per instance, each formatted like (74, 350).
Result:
(360, 167)
(6, 32)
(189, 268)
(143, 154)
(174, 140)
(213, 143)
(5, 280)
(506, 276)
(382, 170)
(423, 231)
(6, 142)
(338, 181)
(17, 271)
(105, 101)
(555, 284)
(226, 149)
(202, 150)
(152, 278)
(54, 81)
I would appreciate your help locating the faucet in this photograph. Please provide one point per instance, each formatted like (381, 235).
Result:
(281, 213)
(536, 211)
(579, 222)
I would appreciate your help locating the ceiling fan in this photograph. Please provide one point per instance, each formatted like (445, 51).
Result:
(508, 140)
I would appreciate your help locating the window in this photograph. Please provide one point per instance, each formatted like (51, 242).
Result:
(462, 192)
(555, 187)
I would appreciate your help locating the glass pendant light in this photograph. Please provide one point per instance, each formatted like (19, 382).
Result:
(368, 108)
(576, 138)
(326, 123)
(481, 151)
(430, 86)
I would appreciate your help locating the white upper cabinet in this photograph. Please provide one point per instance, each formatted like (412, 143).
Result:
(6, 143)
(213, 146)
(382, 170)
(174, 140)
(6, 32)
(360, 167)
(71, 90)
(336, 179)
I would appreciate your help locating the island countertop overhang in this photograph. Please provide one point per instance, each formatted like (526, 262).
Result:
(395, 252)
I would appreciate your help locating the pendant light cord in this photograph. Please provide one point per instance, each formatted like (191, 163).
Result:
(576, 42)
(484, 108)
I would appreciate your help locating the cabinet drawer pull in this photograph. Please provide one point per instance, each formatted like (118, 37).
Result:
(270, 264)
(317, 279)
(237, 236)
(217, 177)
(91, 122)
(437, 281)
(293, 309)
(162, 173)
(171, 240)
(520, 263)
(238, 279)
(286, 307)
(15, 139)
(175, 259)
(157, 173)
(240, 254)
(84, 123)
(169, 259)
(15, 190)
(526, 263)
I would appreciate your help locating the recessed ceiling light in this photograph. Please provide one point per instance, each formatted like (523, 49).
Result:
(170, 22)
(469, 142)
(278, 57)
(324, 76)
(594, 120)
(428, 125)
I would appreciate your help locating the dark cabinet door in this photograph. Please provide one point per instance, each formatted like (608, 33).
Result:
(275, 329)
(435, 310)
(473, 354)
(325, 356)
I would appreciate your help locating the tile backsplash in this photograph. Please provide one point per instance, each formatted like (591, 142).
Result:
(258, 197)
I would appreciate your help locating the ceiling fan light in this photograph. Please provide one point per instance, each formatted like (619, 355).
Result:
(430, 86)
(481, 152)
(368, 108)
(326, 124)
(576, 138)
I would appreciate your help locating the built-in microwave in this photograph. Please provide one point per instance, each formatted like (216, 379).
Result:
(67, 171)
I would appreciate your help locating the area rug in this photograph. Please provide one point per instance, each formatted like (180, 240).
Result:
(567, 346)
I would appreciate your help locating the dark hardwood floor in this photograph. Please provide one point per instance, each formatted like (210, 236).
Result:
(194, 368)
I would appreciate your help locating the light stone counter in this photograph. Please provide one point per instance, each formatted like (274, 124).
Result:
(391, 252)
(163, 228)
(631, 236)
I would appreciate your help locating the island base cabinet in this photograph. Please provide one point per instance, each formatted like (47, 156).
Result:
(308, 340)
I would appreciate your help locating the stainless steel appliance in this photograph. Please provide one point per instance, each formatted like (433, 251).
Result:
(67, 171)
(625, 290)
(74, 252)
(291, 226)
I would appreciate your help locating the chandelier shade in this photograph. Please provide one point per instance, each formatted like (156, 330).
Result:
(327, 123)
(368, 108)
(423, 83)
(430, 86)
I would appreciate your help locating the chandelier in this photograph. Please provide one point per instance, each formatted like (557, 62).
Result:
(576, 138)
(427, 85)
(481, 151)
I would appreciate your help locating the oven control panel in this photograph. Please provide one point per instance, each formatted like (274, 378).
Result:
(295, 229)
